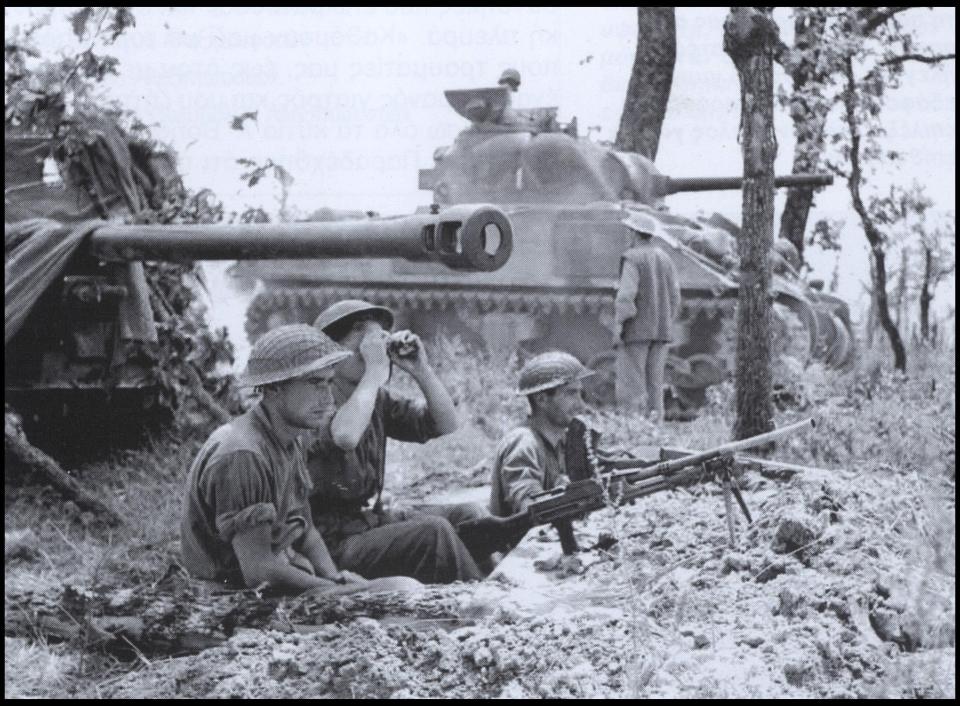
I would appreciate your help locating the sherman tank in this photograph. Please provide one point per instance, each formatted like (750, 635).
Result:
(566, 196)
(77, 301)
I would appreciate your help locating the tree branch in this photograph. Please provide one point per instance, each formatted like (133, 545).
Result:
(874, 18)
(923, 58)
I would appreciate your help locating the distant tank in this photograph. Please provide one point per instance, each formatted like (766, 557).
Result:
(566, 197)
(76, 295)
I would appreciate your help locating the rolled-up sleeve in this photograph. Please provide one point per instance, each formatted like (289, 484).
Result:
(625, 307)
(238, 489)
(407, 420)
(674, 285)
(521, 471)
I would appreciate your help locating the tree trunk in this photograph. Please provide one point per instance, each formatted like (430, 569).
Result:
(20, 451)
(750, 36)
(873, 320)
(873, 234)
(926, 295)
(809, 120)
(649, 89)
(902, 322)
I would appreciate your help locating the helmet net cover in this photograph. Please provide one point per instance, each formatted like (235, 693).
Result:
(289, 352)
(550, 370)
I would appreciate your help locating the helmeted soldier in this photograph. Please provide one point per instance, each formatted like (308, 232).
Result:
(348, 457)
(246, 517)
(647, 304)
(530, 458)
(511, 79)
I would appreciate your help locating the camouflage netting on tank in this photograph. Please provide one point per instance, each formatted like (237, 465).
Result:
(35, 253)
(38, 251)
(106, 173)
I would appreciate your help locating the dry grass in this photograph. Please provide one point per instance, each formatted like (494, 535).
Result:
(37, 670)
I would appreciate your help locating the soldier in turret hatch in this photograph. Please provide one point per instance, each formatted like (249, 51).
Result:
(511, 79)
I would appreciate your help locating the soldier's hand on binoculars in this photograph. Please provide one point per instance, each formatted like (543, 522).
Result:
(407, 352)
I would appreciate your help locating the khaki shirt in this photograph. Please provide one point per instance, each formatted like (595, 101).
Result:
(244, 475)
(528, 462)
(648, 295)
(346, 480)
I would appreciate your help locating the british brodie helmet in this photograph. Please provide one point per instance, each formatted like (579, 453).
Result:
(340, 312)
(288, 352)
(549, 370)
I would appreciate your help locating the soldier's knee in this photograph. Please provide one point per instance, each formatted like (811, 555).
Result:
(436, 526)
(394, 583)
(473, 511)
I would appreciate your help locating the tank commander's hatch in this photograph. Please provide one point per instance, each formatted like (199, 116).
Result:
(489, 106)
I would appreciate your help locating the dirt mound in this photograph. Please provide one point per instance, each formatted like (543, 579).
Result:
(823, 599)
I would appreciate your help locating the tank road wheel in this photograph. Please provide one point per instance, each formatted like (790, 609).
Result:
(847, 327)
(795, 328)
(601, 389)
(836, 348)
(689, 379)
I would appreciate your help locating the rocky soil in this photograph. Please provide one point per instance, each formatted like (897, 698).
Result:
(842, 587)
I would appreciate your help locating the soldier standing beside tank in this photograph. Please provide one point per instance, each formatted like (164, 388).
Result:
(647, 304)
(246, 518)
(347, 460)
(531, 458)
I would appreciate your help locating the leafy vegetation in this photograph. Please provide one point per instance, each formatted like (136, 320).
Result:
(106, 149)
(847, 60)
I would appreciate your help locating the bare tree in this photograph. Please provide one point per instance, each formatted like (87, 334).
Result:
(868, 49)
(650, 80)
(808, 72)
(938, 252)
(902, 294)
(750, 37)
(853, 115)
(823, 39)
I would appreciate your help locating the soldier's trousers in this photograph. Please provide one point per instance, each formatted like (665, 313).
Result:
(640, 376)
(420, 543)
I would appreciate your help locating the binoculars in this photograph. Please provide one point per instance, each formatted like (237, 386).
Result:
(400, 345)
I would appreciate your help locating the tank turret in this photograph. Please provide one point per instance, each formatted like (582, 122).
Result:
(516, 156)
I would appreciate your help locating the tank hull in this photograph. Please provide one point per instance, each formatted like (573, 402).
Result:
(556, 292)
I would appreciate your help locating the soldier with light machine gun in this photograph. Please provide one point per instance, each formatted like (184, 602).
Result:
(596, 482)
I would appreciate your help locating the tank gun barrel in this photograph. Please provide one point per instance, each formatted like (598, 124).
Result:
(464, 237)
(669, 185)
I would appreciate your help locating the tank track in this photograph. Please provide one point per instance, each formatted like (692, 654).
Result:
(691, 368)
(278, 305)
